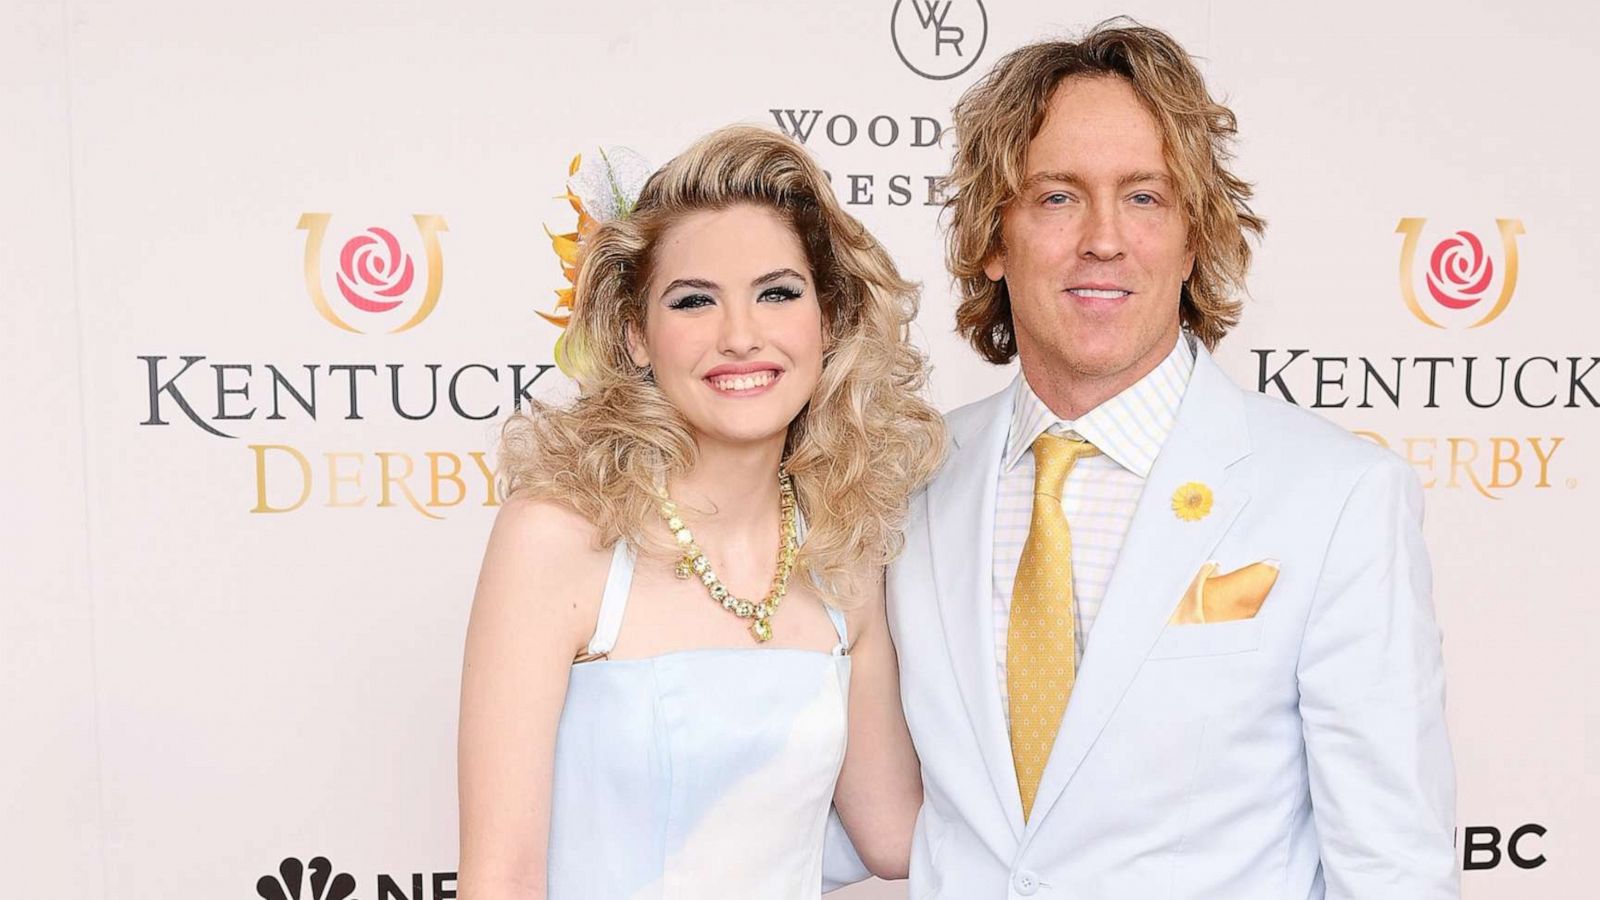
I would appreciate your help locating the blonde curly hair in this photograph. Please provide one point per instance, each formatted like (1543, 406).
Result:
(999, 115)
(864, 442)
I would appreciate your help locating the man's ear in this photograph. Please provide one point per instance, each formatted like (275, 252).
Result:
(636, 347)
(994, 265)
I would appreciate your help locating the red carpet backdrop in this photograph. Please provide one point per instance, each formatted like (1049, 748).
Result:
(273, 273)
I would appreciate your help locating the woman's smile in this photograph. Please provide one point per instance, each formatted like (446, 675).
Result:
(743, 380)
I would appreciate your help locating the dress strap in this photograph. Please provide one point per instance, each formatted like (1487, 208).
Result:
(839, 626)
(612, 604)
(834, 615)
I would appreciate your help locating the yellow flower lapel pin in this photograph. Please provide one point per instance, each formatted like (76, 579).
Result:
(1192, 501)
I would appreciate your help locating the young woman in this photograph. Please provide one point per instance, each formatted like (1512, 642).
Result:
(680, 614)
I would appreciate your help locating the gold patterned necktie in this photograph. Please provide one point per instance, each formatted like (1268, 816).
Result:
(1041, 637)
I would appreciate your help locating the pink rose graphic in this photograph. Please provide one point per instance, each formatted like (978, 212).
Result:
(1459, 271)
(371, 266)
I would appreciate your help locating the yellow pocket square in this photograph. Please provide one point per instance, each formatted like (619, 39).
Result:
(1225, 598)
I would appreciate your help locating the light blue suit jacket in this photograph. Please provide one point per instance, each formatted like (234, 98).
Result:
(1297, 755)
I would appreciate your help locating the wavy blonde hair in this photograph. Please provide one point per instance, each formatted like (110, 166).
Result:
(863, 443)
(998, 116)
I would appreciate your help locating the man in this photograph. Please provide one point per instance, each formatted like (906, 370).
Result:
(1159, 637)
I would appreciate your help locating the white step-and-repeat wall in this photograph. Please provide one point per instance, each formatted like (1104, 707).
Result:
(272, 272)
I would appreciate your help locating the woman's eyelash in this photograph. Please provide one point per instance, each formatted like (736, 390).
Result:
(778, 293)
(781, 292)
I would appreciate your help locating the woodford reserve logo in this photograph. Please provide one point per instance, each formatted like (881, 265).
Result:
(1459, 282)
(939, 39)
(881, 152)
(375, 277)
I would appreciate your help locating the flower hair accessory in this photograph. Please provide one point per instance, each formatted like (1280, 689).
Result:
(604, 187)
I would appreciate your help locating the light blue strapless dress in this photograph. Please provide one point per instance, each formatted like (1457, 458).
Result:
(696, 774)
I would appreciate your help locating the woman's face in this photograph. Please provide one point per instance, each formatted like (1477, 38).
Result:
(733, 326)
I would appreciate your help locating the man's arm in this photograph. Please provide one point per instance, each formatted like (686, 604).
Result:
(1372, 703)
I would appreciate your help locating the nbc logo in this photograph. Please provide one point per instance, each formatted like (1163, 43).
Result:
(288, 882)
(291, 883)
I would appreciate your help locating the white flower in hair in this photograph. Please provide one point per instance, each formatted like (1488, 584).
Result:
(600, 188)
(608, 183)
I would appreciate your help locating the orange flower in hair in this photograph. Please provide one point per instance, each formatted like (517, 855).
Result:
(598, 193)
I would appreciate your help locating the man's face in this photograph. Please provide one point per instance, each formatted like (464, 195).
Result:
(1095, 245)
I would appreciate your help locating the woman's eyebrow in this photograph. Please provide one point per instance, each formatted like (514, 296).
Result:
(776, 275)
(699, 283)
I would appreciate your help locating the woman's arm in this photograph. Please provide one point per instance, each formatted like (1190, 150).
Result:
(880, 787)
(521, 639)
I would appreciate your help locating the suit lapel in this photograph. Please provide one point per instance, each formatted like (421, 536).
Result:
(1159, 557)
(961, 505)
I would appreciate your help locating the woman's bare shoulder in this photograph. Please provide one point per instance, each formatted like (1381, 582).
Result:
(544, 560)
(556, 530)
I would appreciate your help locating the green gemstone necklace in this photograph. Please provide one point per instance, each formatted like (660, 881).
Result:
(694, 563)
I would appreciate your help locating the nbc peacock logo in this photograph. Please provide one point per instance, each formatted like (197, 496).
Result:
(291, 879)
(384, 279)
(1465, 283)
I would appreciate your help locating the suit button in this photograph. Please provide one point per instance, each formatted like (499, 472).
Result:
(1026, 883)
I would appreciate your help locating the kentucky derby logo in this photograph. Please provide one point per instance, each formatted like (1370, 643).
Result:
(939, 39)
(377, 286)
(1461, 275)
(287, 884)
